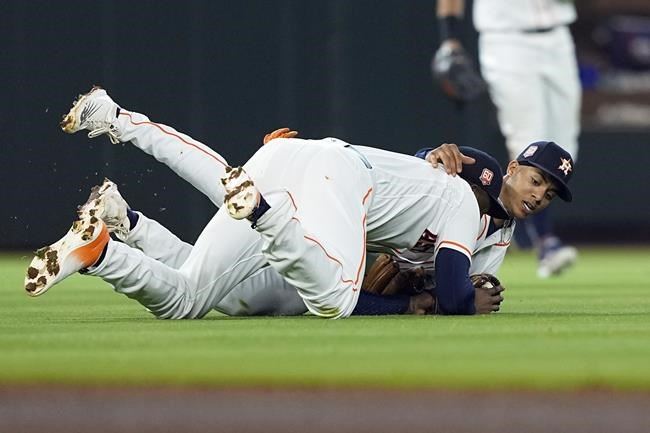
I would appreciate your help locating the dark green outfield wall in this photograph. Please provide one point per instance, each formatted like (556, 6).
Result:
(227, 72)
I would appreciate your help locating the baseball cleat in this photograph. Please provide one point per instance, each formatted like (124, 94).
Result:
(242, 195)
(555, 260)
(106, 203)
(94, 111)
(80, 248)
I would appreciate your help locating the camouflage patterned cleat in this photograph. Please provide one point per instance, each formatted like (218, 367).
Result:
(242, 196)
(106, 203)
(80, 248)
(94, 111)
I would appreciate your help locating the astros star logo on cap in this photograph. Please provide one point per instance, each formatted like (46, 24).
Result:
(565, 166)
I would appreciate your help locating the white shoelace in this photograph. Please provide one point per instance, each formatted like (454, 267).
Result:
(108, 130)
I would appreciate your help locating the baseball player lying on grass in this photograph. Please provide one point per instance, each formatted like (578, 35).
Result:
(312, 207)
(540, 173)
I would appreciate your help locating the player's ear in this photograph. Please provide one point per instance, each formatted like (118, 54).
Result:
(512, 167)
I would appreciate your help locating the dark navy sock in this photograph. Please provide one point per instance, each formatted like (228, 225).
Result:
(133, 218)
(370, 304)
(101, 256)
(260, 210)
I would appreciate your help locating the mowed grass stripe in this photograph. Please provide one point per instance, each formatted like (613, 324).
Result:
(589, 328)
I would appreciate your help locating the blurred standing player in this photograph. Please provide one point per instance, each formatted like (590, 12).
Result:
(527, 59)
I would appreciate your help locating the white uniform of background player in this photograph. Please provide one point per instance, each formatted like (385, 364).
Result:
(527, 58)
(328, 200)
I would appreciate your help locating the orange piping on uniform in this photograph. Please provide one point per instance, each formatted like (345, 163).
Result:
(461, 246)
(293, 202)
(363, 255)
(327, 254)
(363, 249)
(484, 227)
(173, 135)
(365, 197)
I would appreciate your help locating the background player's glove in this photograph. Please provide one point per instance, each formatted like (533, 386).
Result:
(279, 133)
(386, 278)
(487, 293)
(456, 72)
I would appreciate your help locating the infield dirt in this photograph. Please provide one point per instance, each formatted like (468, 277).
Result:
(144, 410)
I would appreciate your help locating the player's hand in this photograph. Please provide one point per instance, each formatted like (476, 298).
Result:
(279, 133)
(456, 73)
(450, 156)
(487, 293)
(422, 303)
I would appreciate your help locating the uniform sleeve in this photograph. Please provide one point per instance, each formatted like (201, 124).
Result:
(453, 258)
(459, 232)
(489, 260)
(454, 290)
(491, 252)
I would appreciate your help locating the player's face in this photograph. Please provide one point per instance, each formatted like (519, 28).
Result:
(526, 190)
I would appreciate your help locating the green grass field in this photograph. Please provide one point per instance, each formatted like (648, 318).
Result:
(588, 329)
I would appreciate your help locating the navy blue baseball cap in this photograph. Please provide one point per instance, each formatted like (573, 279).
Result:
(486, 174)
(552, 160)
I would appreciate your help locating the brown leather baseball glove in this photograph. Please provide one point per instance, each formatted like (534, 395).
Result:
(386, 278)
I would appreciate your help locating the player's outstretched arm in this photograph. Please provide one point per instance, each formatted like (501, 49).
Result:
(457, 294)
(454, 291)
(448, 155)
